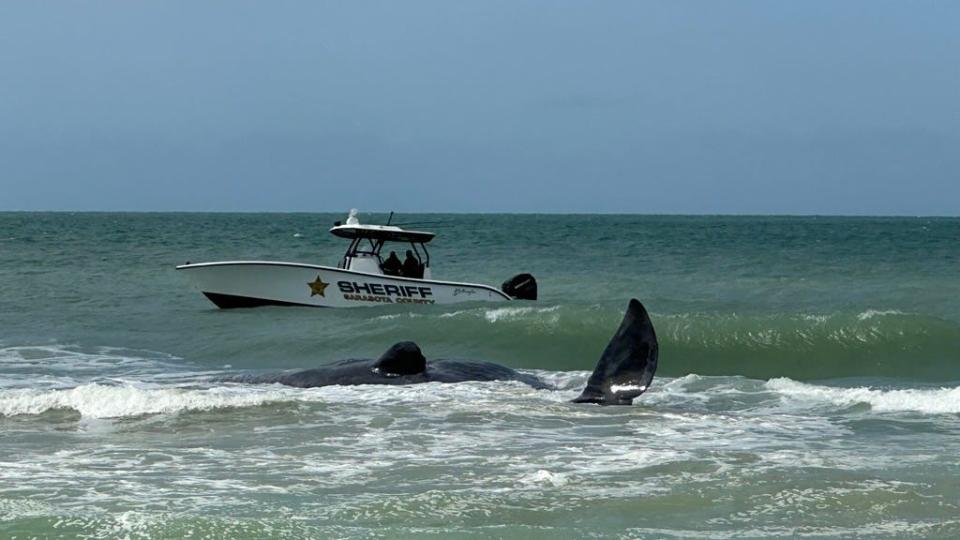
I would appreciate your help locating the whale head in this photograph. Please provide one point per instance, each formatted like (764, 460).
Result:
(403, 358)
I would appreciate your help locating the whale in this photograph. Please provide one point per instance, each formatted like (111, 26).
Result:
(623, 372)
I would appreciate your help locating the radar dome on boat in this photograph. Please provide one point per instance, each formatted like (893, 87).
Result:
(352, 217)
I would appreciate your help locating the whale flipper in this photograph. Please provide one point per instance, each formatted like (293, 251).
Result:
(403, 358)
(626, 368)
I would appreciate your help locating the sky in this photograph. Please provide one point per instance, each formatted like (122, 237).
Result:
(666, 107)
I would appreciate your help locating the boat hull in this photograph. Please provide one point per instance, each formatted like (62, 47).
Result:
(239, 284)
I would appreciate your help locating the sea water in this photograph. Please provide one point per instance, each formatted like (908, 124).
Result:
(809, 383)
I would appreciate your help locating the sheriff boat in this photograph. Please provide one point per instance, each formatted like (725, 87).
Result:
(363, 277)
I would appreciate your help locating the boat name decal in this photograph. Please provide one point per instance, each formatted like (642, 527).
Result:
(388, 294)
(460, 290)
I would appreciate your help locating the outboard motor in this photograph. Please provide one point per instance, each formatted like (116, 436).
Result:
(521, 287)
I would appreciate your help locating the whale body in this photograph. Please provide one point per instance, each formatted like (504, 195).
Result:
(624, 371)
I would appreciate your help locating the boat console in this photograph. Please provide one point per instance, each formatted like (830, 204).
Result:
(367, 242)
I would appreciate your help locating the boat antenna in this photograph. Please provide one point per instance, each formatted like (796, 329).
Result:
(389, 219)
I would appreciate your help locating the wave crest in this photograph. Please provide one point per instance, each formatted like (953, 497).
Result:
(107, 401)
(929, 401)
(803, 346)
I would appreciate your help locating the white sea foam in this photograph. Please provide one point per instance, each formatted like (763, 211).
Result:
(388, 317)
(544, 477)
(16, 508)
(513, 313)
(872, 313)
(564, 380)
(97, 400)
(396, 452)
(51, 366)
(108, 401)
(131, 399)
(931, 401)
(548, 315)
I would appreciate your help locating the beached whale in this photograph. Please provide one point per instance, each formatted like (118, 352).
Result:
(623, 372)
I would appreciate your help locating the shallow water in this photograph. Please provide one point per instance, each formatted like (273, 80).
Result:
(808, 384)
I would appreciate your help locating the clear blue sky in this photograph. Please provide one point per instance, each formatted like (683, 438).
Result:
(823, 107)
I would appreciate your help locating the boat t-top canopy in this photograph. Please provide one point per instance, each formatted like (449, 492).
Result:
(366, 241)
(353, 230)
(388, 233)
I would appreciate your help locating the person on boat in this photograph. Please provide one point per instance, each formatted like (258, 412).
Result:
(411, 266)
(392, 266)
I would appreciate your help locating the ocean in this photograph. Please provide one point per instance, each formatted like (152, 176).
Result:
(809, 383)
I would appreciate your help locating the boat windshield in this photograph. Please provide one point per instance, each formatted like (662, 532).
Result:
(415, 256)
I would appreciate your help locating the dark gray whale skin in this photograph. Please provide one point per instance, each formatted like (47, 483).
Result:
(366, 371)
(624, 371)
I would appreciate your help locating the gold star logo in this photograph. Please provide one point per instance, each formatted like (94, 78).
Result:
(317, 286)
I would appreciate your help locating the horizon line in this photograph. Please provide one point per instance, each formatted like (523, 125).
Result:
(479, 213)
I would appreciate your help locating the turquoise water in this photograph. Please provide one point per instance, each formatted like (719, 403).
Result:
(809, 383)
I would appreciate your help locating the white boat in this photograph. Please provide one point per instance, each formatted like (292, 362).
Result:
(362, 277)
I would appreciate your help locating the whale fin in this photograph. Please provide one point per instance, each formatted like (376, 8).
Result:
(403, 358)
(626, 368)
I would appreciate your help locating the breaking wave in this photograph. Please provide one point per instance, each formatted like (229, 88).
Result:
(108, 401)
(873, 343)
(802, 346)
(929, 401)
(689, 393)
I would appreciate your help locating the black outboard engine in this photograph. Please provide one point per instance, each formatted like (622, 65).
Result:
(521, 287)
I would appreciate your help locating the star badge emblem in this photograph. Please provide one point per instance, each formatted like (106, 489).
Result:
(317, 286)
